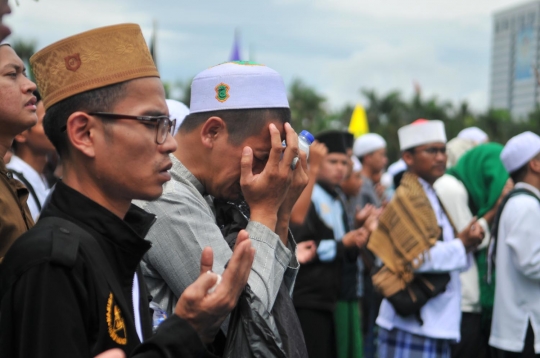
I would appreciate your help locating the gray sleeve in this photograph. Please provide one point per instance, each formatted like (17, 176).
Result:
(185, 225)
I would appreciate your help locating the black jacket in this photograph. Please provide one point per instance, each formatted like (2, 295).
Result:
(62, 296)
(320, 284)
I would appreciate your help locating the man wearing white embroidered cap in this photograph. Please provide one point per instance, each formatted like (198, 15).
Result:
(515, 250)
(474, 134)
(417, 242)
(230, 171)
(371, 150)
(178, 111)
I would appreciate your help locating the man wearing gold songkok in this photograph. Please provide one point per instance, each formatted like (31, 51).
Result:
(420, 315)
(72, 286)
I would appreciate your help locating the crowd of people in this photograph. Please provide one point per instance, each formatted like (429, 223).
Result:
(134, 226)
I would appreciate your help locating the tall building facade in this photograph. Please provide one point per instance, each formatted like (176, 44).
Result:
(515, 53)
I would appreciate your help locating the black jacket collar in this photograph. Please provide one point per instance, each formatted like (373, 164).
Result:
(329, 188)
(126, 235)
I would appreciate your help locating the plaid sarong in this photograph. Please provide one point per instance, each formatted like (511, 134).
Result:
(400, 344)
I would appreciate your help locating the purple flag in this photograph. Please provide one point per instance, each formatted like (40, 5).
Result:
(235, 53)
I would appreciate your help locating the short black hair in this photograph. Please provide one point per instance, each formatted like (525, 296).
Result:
(97, 100)
(241, 123)
(519, 174)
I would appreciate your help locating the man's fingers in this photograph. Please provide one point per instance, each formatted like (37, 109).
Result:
(207, 259)
(292, 145)
(199, 288)
(242, 236)
(239, 267)
(473, 225)
(246, 165)
(303, 160)
(277, 148)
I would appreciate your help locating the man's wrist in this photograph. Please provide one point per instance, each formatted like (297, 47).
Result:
(267, 219)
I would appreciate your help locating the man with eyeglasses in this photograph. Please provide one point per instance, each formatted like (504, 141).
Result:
(72, 286)
(422, 254)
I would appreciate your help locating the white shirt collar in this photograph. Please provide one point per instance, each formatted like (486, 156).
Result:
(528, 187)
(19, 165)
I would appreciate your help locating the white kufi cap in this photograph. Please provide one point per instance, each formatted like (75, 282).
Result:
(368, 143)
(475, 134)
(178, 111)
(237, 85)
(357, 166)
(519, 150)
(421, 132)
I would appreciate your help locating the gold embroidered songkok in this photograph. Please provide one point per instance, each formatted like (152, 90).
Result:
(91, 60)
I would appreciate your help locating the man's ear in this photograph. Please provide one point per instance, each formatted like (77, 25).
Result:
(407, 158)
(81, 129)
(534, 165)
(211, 130)
(21, 138)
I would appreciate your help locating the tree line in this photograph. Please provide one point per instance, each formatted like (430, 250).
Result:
(385, 112)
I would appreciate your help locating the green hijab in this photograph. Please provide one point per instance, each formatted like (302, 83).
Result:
(484, 176)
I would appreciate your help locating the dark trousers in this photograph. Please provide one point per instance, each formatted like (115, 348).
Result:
(371, 302)
(474, 343)
(528, 349)
(319, 332)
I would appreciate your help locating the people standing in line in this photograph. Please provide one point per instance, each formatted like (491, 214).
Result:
(420, 250)
(325, 292)
(370, 149)
(31, 150)
(17, 114)
(72, 285)
(515, 252)
(473, 188)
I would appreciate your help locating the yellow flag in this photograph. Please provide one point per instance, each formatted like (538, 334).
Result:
(359, 124)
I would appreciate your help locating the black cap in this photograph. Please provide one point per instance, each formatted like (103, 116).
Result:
(335, 141)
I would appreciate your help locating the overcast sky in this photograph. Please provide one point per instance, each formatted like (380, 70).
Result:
(337, 46)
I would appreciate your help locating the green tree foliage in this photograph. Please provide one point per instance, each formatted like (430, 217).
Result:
(388, 112)
(25, 49)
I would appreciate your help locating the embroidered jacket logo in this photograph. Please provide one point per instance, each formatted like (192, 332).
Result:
(115, 322)
(222, 92)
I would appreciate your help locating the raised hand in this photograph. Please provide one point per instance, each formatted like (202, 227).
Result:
(372, 222)
(266, 192)
(472, 235)
(362, 215)
(206, 311)
(358, 238)
(306, 251)
(317, 152)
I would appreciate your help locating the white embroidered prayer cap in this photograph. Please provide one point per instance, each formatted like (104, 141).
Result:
(368, 143)
(475, 134)
(357, 166)
(519, 150)
(421, 132)
(178, 111)
(237, 85)
(397, 167)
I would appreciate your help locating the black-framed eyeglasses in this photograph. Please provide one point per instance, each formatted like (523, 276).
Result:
(164, 124)
(434, 150)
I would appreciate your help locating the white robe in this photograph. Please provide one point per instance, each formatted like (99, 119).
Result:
(517, 285)
(442, 314)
